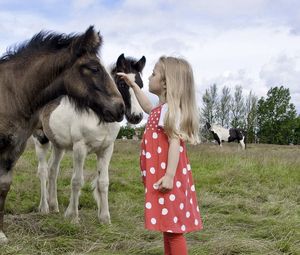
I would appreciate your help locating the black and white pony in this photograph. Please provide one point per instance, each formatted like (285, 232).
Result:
(221, 134)
(68, 129)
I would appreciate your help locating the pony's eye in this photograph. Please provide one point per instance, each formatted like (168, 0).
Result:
(94, 69)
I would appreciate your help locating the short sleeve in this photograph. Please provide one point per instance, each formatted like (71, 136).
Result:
(164, 110)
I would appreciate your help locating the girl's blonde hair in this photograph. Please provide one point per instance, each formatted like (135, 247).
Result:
(179, 93)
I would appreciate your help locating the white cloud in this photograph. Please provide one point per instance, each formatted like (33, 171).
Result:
(227, 42)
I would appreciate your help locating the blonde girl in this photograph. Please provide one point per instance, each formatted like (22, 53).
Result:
(170, 196)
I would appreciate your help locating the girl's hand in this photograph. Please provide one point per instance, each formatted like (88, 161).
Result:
(165, 183)
(128, 78)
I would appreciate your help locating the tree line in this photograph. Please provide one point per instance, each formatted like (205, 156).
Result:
(272, 119)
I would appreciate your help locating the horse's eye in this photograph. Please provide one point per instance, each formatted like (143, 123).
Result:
(94, 69)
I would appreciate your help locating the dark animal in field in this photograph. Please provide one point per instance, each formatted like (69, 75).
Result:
(40, 70)
(82, 133)
(221, 134)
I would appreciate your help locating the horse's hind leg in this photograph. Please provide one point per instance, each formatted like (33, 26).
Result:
(79, 154)
(5, 182)
(101, 184)
(54, 164)
(41, 152)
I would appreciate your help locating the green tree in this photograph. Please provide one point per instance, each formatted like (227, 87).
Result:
(238, 108)
(277, 117)
(210, 103)
(126, 131)
(251, 117)
(224, 107)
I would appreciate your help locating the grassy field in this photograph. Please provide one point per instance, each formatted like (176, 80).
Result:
(249, 201)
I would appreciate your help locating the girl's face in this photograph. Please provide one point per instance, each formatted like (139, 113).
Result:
(155, 81)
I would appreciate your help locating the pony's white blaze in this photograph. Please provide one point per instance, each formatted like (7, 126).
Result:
(135, 106)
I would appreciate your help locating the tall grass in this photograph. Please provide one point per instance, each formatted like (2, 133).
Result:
(249, 201)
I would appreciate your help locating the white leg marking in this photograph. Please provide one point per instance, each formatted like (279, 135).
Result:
(79, 155)
(41, 153)
(54, 164)
(101, 184)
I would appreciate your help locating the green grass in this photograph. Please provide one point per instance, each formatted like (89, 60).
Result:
(249, 201)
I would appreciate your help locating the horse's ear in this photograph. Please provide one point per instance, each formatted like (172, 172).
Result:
(139, 65)
(121, 61)
(89, 42)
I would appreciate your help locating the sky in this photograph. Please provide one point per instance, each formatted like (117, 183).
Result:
(250, 43)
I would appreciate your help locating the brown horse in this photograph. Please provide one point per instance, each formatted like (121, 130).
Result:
(46, 67)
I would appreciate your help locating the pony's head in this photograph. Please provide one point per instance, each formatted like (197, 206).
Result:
(133, 111)
(88, 83)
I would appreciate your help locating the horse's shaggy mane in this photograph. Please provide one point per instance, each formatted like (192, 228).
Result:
(43, 41)
(47, 41)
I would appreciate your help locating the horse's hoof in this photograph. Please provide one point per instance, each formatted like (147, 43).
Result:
(104, 220)
(44, 209)
(3, 238)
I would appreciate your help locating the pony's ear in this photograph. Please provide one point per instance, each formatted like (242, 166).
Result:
(121, 62)
(89, 42)
(139, 65)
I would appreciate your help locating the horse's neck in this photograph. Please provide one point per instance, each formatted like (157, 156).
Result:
(42, 82)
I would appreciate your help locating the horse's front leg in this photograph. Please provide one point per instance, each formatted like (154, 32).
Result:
(101, 184)
(54, 165)
(41, 153)
(5, 182)
(79, 155)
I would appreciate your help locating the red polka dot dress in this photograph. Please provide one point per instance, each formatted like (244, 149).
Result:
(176, 211)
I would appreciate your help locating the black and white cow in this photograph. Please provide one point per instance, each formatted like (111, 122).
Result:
(221, 134)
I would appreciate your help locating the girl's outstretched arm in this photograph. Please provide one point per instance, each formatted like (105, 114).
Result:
(140, 95)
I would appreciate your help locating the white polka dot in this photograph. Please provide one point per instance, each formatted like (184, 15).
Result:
(163, 165)
(144, 172)
(175, 219)
(193, 188)
(197, 208)
(143, 152)
(183, 228)
(181, 149)
(161, 200)
(154, 135)
(145, 190)
(152, 170)
(169, 231)
(155, 186)
(158, 149)
(186, 193)
(164, 211)
(153, 221)
(196, 222)
(188, 167)
(178, 184)
(148, 205)
(181, 206)
(187, 214)
(191, 201)
(146, 140)
(172, 197)
(183, 170)
(148, 155)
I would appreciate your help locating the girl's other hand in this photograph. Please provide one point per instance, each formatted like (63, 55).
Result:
(165, 184)
(128, 78)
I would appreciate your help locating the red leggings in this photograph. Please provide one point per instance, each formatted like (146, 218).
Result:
(174, 244)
